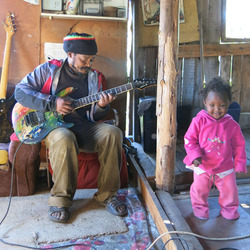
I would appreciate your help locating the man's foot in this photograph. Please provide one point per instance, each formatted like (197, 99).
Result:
(116, 206)
(58, 214)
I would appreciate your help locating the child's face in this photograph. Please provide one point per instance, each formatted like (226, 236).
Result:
(216, 106)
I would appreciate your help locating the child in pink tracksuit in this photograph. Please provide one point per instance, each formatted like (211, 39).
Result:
(215, 150)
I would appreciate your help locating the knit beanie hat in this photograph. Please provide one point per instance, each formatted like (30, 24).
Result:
(80, 44)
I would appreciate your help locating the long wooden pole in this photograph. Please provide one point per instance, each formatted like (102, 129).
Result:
(166, 94)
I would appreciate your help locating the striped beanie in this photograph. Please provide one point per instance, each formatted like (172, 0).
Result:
(80, 44)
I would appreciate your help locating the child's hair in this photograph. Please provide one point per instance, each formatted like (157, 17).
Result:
(219, 86)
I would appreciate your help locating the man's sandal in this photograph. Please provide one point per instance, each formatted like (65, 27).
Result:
(113, 204)
(63, 210)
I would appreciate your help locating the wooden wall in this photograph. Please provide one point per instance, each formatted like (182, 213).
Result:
(33, 31)
(189, 30)
(25, 47)
(231, 61)
(230, 65)
(218, 59)
(111, 55)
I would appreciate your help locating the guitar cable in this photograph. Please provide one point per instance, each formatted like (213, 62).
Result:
(11, 183)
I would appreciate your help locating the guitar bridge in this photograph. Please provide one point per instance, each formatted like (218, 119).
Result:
(34, 118)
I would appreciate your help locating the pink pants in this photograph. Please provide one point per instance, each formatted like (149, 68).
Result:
(228, 197)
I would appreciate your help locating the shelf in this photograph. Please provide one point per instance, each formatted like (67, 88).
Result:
(82, 17)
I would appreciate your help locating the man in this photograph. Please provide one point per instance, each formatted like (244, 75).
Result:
(39, 89)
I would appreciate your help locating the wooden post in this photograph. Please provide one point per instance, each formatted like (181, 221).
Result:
(166, 94)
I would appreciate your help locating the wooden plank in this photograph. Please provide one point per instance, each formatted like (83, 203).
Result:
(198, 82)
(147, 63)
(192, 82)
(211, 69)
(189, 30)
(148, 35)
(155, 209)
(193, 50)
(245, 76)
(179, 83)
(177, 219)
(25, 45)
(145, 162)
(188, 81)
(212, 24)
(236, 78)
(225, 67)
(203, 12)
(166, 94)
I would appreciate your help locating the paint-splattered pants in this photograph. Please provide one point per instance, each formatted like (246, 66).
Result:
(228, 195)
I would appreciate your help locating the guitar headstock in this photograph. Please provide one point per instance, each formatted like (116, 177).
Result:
(144, 83)
(9, 24)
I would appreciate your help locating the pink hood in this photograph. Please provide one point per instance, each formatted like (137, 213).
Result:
(220, 143)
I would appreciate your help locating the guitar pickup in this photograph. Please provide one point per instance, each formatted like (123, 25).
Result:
(34, 118)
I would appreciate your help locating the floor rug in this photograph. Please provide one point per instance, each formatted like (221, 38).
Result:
(27, 222)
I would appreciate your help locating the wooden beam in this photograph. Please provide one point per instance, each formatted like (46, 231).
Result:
(193, 50)
(177, 218)
(166, 94)
(159, 216)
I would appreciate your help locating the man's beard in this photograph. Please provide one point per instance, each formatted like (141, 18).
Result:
(78, 72)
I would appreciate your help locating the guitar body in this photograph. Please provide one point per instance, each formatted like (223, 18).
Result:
(34, 134)
(6, 129)
(31, 126)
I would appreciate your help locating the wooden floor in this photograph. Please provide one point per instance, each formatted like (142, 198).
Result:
(216, 226)
(177, 209)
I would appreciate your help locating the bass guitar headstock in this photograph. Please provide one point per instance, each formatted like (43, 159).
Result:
(144, 83)
(9, 24)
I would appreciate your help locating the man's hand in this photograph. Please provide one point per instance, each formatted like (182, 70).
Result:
(63, 105)
(106, 99)
(197, 162)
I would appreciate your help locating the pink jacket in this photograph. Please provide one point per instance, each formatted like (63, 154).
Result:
(220, 143)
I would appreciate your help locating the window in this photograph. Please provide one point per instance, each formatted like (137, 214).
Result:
(235, 20)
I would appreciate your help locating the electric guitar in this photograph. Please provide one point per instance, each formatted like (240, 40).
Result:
(6, 104)
(31, 126)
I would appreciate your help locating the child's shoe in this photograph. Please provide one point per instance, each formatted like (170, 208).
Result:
(230, 218)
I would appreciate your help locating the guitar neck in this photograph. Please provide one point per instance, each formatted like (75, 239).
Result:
(5, 68)
(84, 101)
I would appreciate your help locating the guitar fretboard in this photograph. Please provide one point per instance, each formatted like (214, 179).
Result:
(84, 101)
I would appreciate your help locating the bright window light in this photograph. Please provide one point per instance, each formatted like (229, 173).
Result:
(238, 19)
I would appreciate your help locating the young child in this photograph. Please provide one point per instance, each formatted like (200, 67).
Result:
(215, 150)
